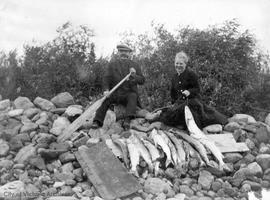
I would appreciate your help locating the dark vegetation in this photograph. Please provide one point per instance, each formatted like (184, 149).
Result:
(233, 71)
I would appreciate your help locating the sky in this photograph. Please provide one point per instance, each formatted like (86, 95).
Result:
(22, 21)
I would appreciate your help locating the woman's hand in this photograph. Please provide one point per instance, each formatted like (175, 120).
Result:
(186, 93)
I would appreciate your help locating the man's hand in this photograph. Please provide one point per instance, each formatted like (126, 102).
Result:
(186, 93)
(106, 92)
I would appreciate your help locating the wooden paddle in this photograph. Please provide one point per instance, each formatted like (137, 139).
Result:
(88, 114)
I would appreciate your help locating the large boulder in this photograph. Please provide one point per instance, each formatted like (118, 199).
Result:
(59, 125)
(232, 126)
(262, 134)
(23, 102)
(74, 110)
(4, 104)
(263, 160)
(12, 190)
(205, 179)
(44, 104)
(25, 153)
(156, 186)
(242, 118)
(63, 100)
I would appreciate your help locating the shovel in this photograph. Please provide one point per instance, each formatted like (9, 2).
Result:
(88, 114)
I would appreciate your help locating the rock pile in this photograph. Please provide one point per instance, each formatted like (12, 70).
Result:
(33, 165)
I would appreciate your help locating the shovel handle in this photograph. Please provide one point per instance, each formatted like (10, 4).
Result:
(118, 84)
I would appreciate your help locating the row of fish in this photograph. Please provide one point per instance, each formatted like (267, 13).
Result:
(151, 149)
(177, 145)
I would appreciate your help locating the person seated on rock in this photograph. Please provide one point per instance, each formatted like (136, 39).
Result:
(185, 90)
(127, 93)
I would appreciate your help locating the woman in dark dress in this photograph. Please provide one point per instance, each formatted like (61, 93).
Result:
(185, 90)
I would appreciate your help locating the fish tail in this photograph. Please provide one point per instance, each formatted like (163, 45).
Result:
(156, 168)
(168, 162)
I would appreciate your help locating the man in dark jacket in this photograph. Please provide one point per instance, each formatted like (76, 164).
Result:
(127, 93)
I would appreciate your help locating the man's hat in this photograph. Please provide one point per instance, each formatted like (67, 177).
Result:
(123, 47)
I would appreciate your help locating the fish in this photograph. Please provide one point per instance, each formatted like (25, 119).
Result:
(195, 143)
(192, 152)
(198, 134)
(114, 148)
(154, 152)
(158, 140)
(144, 153)
(182, 156)
(171, 146)
(134, 156)
(123, 145)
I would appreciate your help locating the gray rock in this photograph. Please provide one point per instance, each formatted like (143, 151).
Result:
(239, 135)
(252, 128)
(25, 153)
(214, 128)
(23, 102)
(38, 162)
(155, 186)
(64, 176)
(31, 112)
(67, 168)
(205, 179)
(262, 134)
(14, 188)
(4, 148)
(249, 158)
(255, 169)
(66, 191)
(59, 125)
(6, 164)
(78, 174)
(242, 118)
(28, 127)
(245, 187)
(15, 112)
(180, 196)
(73, 110)
(263, 160)
(170, 173)
(4, 104)
(161, 196)
(232, 126)
(44, 140)
(216, 185)
(63, 100)
(264, 149)
(67, 157)
(254, 186)
(232, 157)
(250, 144)
(15, 144)
(60, 146)
(43, 104)
(185, 189)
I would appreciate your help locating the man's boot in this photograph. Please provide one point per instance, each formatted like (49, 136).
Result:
(96, 124)
(126, 123)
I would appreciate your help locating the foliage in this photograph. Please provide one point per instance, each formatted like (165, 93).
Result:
(234, 73)
(65, 64)
(225, 59)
